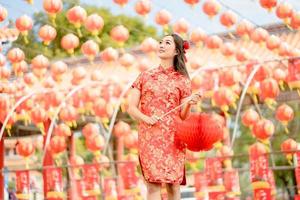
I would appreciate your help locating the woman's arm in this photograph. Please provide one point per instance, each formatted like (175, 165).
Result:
(134, 112)
(186, 108)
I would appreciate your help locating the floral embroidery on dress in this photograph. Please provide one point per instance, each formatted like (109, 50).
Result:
(161, 154)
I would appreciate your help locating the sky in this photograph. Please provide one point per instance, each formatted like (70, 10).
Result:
(246, 9)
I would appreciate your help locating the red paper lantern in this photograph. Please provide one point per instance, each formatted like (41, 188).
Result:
(280, 75)
(198, 36)
(127, 60)
(268, 4)
(62, 130)
(2, 60)
(149, 45)
(69, 42)
(119, 34)
(143, 7)
(229, 77)
(3, 13)
(211, 8)
(68, 115)
(228, 49)
(90, 49)
(52, 7)
(263, 129)
(20, 68)
(38, 115)
(121, 129)
(58, 68)
(191, 2)
(121, 2)
(24, 24)
(4, 74)
(76, 16)
(30, 79)
(284, 49)
(15, 55)
(244, 29)
(259, 35)
(228, 19)
(163, 17)
(181, 26)
(195, 64)
(213, 42)
(257, 149)
(242, 55)
(273, 42)
(25, 148)
(250, 117)
(78, 75)
(57, 144)
(95, 143)
(89, 130)
(223, 98)
(295, 20)
(269, 89)
(102, 109)
(102, 161)
(200, 131)
(287, 146)
(284, 11)
(94, 24)
(4, 102)
(131, 140)
(47, 34)
(109, 55)
(284, 114)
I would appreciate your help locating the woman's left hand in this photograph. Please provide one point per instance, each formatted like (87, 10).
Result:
(195, 98)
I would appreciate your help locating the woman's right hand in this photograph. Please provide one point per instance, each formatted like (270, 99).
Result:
(151, 120)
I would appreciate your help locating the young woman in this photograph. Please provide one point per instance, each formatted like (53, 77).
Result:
(155, 92)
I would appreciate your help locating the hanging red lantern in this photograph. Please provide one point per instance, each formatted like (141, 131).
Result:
(38, 117)
(149, 45)
(259, 35)
(195, 64)
(198, 36)
(242, 55)
(15, 55)
(211, 8)
(119, 34)
(228, 49)
(163, 17)
(24, 24)
(263, 129)
(249, 118)
(102, 108)
(90, 49)
(69, 115)
(25, 148)
(284, 49)
(257, 149)
(181, 27)
(228, 19)
(284, 114)
(289, 147)
(122, 3)
(57, 145)
(58, 68)
(280, 75)
(20, 68)
(191, 2)
(284, 11)
(131, 140)
(47, 34)
(89, 130)
(4, 102)
(244, 29)
(52, 7)
(102, 162)
(2, 60)
(4, 74)
(127, 60)
(224, 98)
(62, 130)
(95, 143)
(269, 90)
(109, 54)
(229, 77)
(94, 24)
(268, 4)
(200, 131)
(143, 7)
(213, 42)
(77, 16)
(3, 13)
(39, 65)
(30, 79)
(273, 42)
(78, 75)
(69, 42)
(295, 20)
(121, 129)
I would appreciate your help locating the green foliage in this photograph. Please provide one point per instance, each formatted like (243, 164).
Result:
(136, 26)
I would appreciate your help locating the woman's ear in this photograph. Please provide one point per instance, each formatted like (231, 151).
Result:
(176, 52)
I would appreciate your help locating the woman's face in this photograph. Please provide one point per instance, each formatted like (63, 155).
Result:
(167, 48)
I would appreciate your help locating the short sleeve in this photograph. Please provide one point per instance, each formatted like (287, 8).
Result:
(186, 88)
(138, 82)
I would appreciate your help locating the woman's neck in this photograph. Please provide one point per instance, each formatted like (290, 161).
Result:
(166, 63)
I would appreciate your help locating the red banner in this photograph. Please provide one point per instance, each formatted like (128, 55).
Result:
(90, 187)
(262, 194)
(110, 188)
(232, 182)
(54, 185)
(128, 174)
(22, 184)
(220, 195)
(259, 166)
(271, 180)
(200, 183)
(213, 168)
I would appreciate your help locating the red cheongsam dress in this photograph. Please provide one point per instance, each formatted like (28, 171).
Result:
(161, 153)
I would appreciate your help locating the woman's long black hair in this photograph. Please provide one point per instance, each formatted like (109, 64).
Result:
(179, 59)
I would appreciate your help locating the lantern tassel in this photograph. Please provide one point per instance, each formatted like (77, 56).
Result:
(289, 158)
(281, 85)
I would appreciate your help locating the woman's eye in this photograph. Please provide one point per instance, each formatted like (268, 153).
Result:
(160, 42)
(168, 43)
